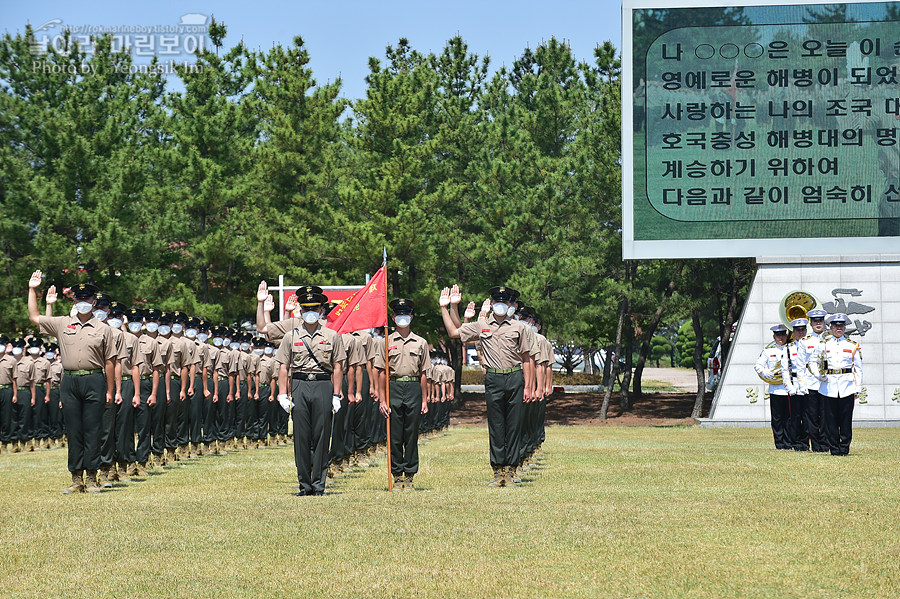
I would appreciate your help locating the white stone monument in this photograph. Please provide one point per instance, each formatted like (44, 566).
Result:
(865, 287)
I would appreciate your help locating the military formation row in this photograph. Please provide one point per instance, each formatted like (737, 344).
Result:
(140, 387)
(814, 382)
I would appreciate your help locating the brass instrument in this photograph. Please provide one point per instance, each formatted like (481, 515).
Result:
(796, 304)
(775, 379)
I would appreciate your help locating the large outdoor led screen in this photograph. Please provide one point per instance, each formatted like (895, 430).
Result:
(760, 129)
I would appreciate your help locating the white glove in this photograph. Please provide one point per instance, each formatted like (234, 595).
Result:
(335, 403)
(284, 400)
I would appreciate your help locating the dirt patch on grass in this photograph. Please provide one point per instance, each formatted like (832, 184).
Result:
(658, 409)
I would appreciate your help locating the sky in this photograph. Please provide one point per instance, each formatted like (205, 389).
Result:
(340, 36)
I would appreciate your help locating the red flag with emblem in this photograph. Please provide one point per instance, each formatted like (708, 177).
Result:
(365, 309)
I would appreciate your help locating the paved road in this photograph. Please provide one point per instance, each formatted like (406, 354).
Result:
(677, 377)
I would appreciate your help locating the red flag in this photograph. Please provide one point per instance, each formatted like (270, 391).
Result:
(365, 309)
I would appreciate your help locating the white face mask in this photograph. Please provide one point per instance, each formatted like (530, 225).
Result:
(203, 337)
(511, 311)
(164, 329)
(500, 309)
(134, 327)
(258, 351)
(234, 345)
(152, 327)
(268, 351)
(83, 307)
(34, 350)
(403, 320)
(49, 355)
(114, 322)
(177, 328)
(191, 333)
(226, 341)
(217, 341)
(245, 346)
(99, 315)
(311, 317)
(17, 351)
(534, 328)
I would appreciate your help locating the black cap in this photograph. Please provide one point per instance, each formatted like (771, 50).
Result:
(331, 306)
(259, 342)
(501, 293)
(403, 305)
(179, 316)
(117, 308)
(153, 314)
(165, 318)
(219, 330)
(3, 339)
(312, 299)
(84, 291)
(308, 289)
(18, 342)
(103, 299)
(135, 314)
(35, 342)
(52, 347)
(194, 322)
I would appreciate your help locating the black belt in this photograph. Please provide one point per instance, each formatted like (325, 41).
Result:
(83, 372)
(839, 371)
(310, 376)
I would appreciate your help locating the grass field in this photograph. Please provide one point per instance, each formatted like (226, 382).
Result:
(612, 512)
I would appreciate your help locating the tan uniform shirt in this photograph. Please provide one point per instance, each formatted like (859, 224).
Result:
(244, 363)
(363, 348)
(226, 362)
(407, 356)
(202, 352)
(7, 368)
(266, 370)
(130, 341)
(532, 340)
(502, 344)
(24, 372)
(351, 347)
(326, 346)
(275, 331)
(56, 373)
(41, 370)
(545, 356)
(255, 360)
(119, 342)
(145, 355)
(165, 351)
(449, 374)
(84, 346)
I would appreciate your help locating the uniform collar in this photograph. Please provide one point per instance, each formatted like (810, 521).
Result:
(90, 322)
(395, 336)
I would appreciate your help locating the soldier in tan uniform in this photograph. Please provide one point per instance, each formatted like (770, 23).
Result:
(407, 361)
(108, 442)
(7, 368)
(24, 398)
(147, 370)
(123, 438)
(154, 319)
(88, 356)
(508, 379)
(38, 430)
(313, 354)
(199, 393)
(54, 408)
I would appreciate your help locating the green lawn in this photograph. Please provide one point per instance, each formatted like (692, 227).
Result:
(612, 512)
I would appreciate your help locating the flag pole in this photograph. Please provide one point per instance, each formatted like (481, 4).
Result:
(387, 375)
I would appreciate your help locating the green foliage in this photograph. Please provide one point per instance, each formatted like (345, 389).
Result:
(685, 346)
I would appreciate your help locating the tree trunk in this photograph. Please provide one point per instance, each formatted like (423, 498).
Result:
(698, 363)
(612, 360)
(648, 336)
(628, 346)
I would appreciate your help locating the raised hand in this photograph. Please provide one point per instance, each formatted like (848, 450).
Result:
(291, 304)
(262, 292)
(445, 297)
(269, 304)
(51, 295)
(470, 310)
(455, 295)
(35, 281)
(486, 306)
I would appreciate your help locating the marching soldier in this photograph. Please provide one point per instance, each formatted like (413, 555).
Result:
(769, 368)
(814, 412)
(799, 382)
(156, 318)
(508, 378)
(53, 407)
(199, 391)
(108, 442)
(88, 355)
(842, 374)
(404, 369)
(313, 354)
(39, 413)
(124, 418)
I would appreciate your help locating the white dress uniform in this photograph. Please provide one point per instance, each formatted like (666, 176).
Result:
(841, 381)
(769, 367)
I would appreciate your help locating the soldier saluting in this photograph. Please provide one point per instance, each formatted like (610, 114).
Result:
(87, 351)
